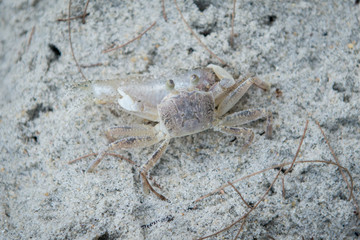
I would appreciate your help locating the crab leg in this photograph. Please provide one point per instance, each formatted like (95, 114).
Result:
(243, 117)
(155, 157)
(152, 161)
(240, 89)
(125, 143)
(245, 133)
(246, 116)
(117, 132)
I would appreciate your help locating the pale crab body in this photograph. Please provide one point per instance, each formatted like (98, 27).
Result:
(143, 100)
(140, 95)
(186, 113)
(191, 102)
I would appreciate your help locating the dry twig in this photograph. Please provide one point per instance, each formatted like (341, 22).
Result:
(298, 150)
(91, 65)
(85, 14)
(237, 191)
(197, 38)
(31, 35)
(163, 10)
(161, 197)
(246, 214)
(71, 46)
(132, 40)
(243, 218)
(343, 175)
(71, 18)
(232, 25)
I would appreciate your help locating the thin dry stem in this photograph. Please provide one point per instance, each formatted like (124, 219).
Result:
(333, 154)
(163, 10)
(197, 38)
(267, 169)
(298, 150)
(247, 214)
(82, 157)
(31, 35)
(341, 168)
(71, 18)
(91, 65)
(293, 162)
(132, 40)
(270, 168)
(85, 14)
(232, 25)
(343, 175)
(71, 46)
(256, 173)
(129, 161)
(240, 229)
(239, 194)
(235, 181)
(283, 185)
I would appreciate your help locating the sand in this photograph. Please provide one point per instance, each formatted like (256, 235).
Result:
(307, 51)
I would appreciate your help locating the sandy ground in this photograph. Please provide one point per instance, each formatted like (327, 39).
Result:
(308, 51)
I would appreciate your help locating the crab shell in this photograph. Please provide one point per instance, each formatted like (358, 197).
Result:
(186, 112)
(141, 95)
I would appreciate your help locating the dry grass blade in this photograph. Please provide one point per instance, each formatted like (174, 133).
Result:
(341, 168)
(235, 181)
(351, 186)
(161, 197)
(240, 229)
(132, 40)
(232, 25)
(281, 167)
(337, 161)
(262, 198)
(71, 46)
(246, 214)
(274, 167)
(237, 191)
(31, 35)
(283, 186)
(85, 14)
(255, 173)
(71, 18)
(82, 157)
(333, 154)
(295, 157)
(163, 10)
(92, 65)
(298, 150)
(197, 38)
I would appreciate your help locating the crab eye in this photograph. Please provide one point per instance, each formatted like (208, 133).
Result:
(194, 79)
(170, 85)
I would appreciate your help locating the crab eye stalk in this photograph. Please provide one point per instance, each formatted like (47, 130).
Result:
(194, 79)
(170, 85)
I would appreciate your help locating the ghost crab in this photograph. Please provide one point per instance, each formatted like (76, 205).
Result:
(188, 103)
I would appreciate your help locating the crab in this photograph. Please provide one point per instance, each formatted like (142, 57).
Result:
(188, 103)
